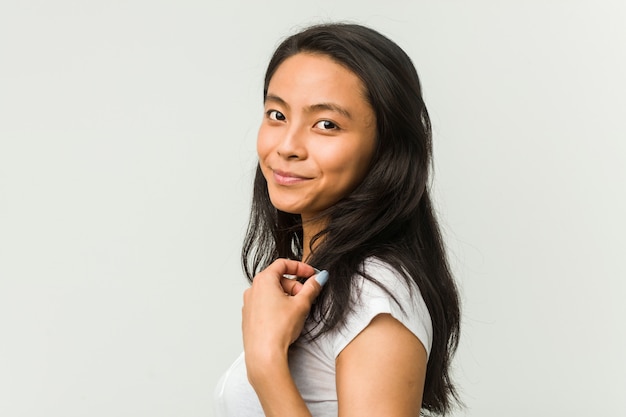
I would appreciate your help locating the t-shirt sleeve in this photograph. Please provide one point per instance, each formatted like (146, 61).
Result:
(370, 300)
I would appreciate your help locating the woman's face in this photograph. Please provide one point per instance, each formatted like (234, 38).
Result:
(318, 134)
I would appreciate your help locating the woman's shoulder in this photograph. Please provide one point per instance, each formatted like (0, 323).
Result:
(378, 274)
(383, 289)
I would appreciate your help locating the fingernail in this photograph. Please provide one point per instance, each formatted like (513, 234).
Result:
(317, 271)
(321, 278)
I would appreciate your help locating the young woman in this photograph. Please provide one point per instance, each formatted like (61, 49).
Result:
(344, 156)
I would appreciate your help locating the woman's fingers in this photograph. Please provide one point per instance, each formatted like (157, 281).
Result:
(291, 286)
(283, 266)
(313, 286)
(288, 272)
(275, 307)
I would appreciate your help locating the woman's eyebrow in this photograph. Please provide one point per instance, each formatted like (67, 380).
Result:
(313, 107)
(276, 99)
(329, 106)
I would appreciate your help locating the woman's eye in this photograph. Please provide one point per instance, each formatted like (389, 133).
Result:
(326, 125)
(275, 115)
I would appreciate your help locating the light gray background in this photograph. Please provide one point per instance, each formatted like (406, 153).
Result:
(127, 132)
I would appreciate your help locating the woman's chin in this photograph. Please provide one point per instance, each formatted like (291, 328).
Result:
(287, 207)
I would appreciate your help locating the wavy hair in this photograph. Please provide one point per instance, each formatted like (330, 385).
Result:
(388, 216)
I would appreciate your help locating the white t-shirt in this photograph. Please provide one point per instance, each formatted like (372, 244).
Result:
(312, 363)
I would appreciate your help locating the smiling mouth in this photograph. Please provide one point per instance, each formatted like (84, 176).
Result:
(288, 178)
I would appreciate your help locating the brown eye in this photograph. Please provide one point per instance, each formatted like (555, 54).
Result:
(275, 115)
(326, 125)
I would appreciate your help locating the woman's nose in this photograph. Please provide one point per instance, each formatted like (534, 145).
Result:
(292, 144)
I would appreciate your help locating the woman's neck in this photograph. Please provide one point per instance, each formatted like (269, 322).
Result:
(310, 228)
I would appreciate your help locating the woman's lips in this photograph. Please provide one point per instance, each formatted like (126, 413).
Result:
(288, 178)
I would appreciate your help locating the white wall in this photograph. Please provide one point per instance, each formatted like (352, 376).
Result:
(127, 134)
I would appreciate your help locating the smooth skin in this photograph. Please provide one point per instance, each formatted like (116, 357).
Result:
(317, 138)
(315, 145)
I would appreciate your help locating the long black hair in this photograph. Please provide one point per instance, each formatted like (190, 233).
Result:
(388, 216)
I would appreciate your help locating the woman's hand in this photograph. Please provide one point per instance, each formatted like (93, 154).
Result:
(275, 308)
(273, 315)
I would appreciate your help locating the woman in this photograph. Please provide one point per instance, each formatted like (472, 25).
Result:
(344, 155)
